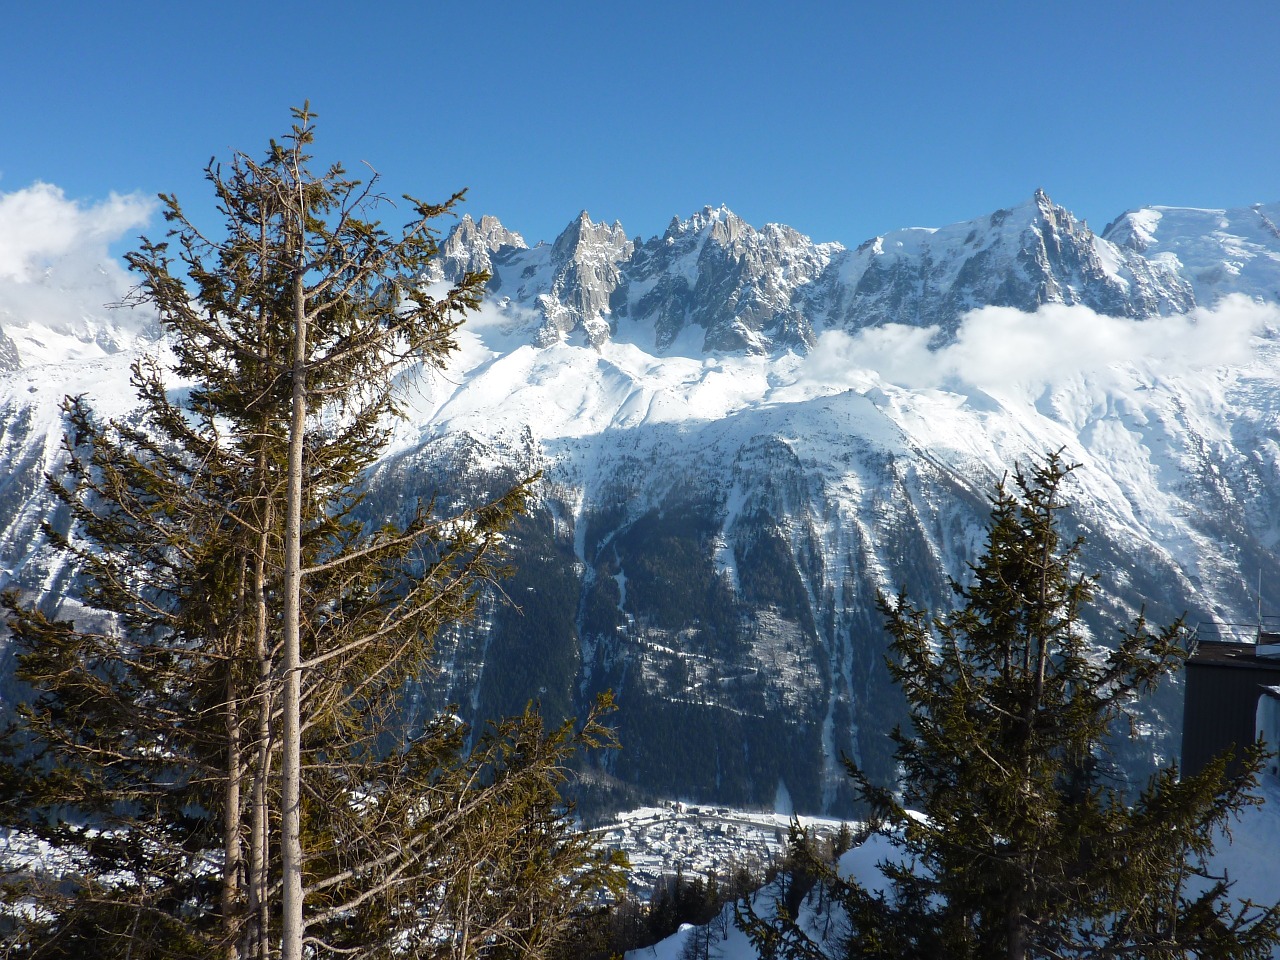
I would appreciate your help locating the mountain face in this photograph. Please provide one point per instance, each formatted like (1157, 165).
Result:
(745, 437)
(722, 286)
(1033, 254)
(1218, 251)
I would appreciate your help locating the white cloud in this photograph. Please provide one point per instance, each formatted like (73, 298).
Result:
(1000, 347)
(57, 275)
(40, 227)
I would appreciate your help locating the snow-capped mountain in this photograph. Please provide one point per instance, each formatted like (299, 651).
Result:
(1218, 251)
(730, 287)
(1032, 254)
(745, 435)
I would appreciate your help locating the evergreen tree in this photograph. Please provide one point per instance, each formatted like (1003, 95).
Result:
(1017, 845)
(215, 747)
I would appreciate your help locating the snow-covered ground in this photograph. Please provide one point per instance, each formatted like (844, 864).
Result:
(1251, 857)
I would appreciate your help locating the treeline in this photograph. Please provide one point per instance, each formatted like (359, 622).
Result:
(632, 923)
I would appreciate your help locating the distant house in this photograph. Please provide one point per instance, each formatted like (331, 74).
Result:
(1232, 694)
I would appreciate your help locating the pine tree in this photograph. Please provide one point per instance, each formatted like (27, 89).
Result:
(1016, 844)
(217, 749)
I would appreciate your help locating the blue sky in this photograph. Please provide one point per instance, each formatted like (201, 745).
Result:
(842, 119)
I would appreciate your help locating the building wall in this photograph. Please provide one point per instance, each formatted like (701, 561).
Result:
(1221, 709)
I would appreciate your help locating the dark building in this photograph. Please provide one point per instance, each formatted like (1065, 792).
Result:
(1225, 678)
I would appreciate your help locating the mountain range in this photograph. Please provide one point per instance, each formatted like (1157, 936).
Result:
(745, 436)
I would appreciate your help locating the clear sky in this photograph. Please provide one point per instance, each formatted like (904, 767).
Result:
(842, 119)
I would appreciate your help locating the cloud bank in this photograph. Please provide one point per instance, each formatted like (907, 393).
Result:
(56, 268)
(1001, 347)
(41, 228)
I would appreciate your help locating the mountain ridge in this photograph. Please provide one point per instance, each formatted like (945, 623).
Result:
(744, 440)
(773, 288)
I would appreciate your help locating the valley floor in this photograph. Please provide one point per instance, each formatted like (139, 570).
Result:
(654, 839)
(699, 839)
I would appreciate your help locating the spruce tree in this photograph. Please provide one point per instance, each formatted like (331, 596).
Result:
(1010, 839)
(214, 745)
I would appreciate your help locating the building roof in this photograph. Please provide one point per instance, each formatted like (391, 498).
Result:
(1224, 653)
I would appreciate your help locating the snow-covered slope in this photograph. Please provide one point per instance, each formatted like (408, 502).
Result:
(745, 435)
(1246, 858)
(785, 490)
(1219, 252)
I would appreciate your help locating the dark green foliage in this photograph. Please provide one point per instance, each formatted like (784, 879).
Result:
(601, 613)
(535, 636)
(707, 751)
(667, 558)
(147, 749)
(699, 711)
(119, 744)
(1023, 846)
(767, 573)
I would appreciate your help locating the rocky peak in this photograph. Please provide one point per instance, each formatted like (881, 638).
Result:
(1132, 230)
(1031, 254)
(495, 236)
(717, 272)
(585, 270)
(584, 238)
(719, 224)
(1038, 215)
(470, 246)
(738, 287)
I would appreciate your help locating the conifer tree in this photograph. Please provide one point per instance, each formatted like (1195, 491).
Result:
(216, 751)
(1011, 841)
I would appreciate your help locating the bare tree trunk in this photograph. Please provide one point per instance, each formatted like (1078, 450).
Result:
(257, 942)
(291, 760)
(232, 864)
(235, 875)
(1016, 929)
